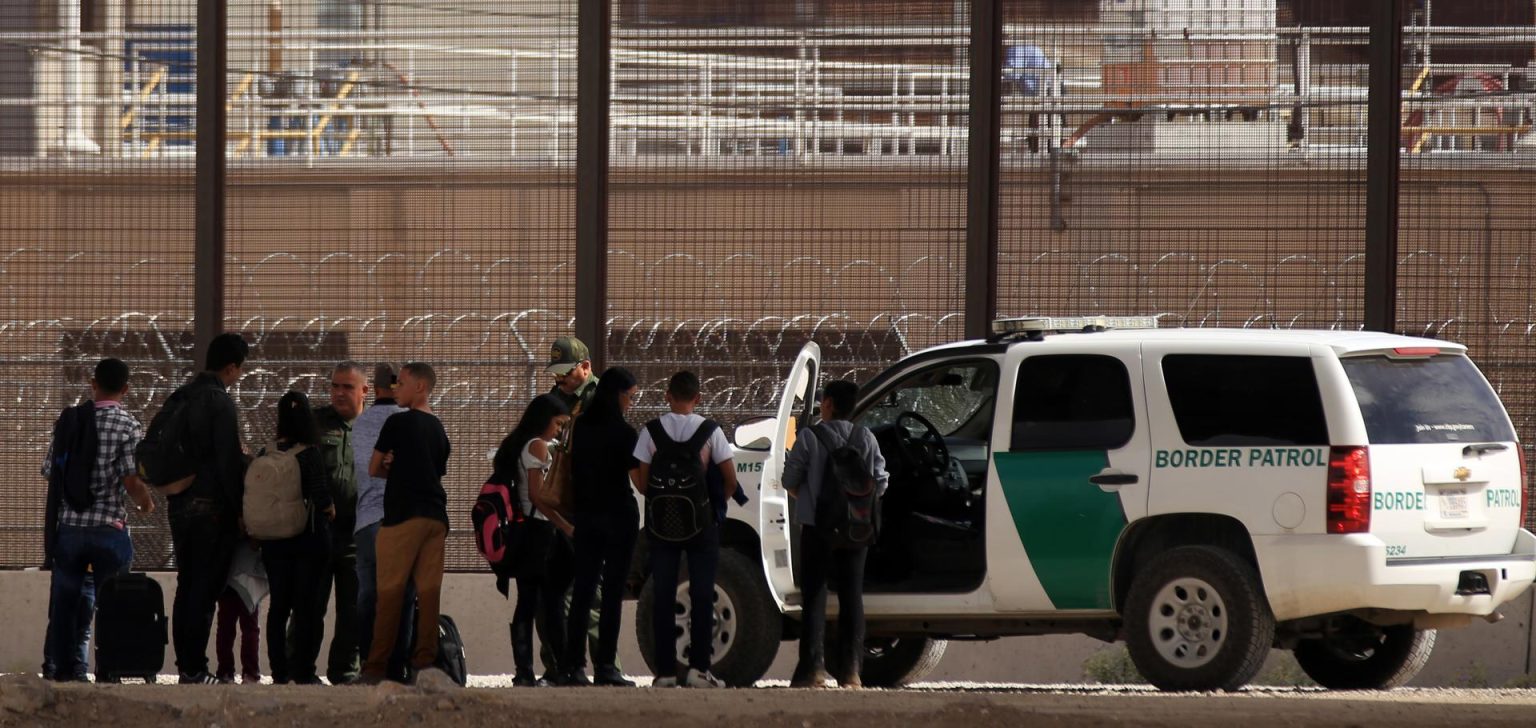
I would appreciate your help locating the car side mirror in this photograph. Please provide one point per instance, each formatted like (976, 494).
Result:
(755, 435)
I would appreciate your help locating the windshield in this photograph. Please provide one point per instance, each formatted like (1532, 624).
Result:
(1419, 401)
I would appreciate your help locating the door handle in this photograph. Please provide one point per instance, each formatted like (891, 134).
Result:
(1115, 479)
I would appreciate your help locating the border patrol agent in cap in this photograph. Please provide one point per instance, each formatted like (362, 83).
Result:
(571, 364)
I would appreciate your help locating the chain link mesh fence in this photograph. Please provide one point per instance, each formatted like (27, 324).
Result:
(402, 186)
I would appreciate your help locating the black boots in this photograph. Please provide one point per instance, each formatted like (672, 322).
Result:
(522, 655)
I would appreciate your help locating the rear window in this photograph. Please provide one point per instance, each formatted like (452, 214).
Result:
(1245, 400)
(1420, 401)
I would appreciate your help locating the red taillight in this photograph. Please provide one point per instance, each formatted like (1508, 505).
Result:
(1415, 351)
(1349, 490)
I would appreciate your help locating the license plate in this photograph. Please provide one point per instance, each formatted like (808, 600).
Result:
(1453, 503)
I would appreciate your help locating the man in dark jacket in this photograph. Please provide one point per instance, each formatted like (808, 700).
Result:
(349, 387)
(205, 518)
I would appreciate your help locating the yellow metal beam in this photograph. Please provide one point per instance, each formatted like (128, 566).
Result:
(154, 82)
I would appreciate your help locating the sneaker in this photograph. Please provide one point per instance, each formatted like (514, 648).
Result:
(524, 679)
(226, 679)
(196, 678)
(669, 681)
(575, 679)
(250, 679)
(853, 682)
(701, 679)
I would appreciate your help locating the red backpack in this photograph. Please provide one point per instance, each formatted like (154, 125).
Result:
(497, 518)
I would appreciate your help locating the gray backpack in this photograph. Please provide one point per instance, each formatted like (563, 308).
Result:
(274, 505)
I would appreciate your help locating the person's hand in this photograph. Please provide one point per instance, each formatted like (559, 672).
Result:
(389, 459)
(567, 529)
(330, 511)
(147, 506)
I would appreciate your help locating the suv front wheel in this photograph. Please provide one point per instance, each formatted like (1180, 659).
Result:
(1196, 619)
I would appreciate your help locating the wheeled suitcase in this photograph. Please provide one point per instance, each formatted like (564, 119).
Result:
(131, 629)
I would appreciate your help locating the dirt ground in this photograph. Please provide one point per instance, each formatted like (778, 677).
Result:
(27, 701)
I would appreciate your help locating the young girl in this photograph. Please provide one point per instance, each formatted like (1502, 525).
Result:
(241, 604)
(524, 457)
(296, 566)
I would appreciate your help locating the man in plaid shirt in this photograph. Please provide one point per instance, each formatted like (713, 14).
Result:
(95, 541)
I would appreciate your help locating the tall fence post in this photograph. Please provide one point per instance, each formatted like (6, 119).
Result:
(984, 148)
(594, 40)
(1383, 159)
(210, 179)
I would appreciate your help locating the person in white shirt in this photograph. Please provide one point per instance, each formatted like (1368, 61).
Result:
(685, 435)
(525, 457)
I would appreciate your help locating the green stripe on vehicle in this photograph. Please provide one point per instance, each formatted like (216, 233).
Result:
(1068, 526)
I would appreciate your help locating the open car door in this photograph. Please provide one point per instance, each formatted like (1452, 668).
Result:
(774, 524)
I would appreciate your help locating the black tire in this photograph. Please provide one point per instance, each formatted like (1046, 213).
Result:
(750, 650)
(1366, 657)
(1197, 619)
(895, 662)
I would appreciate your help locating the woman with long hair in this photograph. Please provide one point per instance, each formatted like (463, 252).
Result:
(296, 565)
(524, 458)
(607, 520)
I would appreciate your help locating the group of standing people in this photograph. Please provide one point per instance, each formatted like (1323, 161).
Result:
(588, 540)
(577, 552)
(375, 529)
(370, 478)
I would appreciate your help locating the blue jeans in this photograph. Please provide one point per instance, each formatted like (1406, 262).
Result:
(105, 551)
(703, 552)
(87, 610)
(368, 602)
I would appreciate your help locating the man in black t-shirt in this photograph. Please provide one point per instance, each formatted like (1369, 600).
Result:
(412, 456)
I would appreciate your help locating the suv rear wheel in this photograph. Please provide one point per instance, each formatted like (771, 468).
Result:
(1354, 655)
(891, 662)
(1196, 619)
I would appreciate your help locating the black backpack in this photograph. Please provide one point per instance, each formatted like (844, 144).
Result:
(74, 456)
(847, 508)
(163, 455)
(677, 503)
(450, 651)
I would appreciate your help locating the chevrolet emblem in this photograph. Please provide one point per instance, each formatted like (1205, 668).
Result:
(1462, 474)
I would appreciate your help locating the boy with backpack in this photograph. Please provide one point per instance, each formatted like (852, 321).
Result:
(836, 474)
(90, 472)
(682, 517)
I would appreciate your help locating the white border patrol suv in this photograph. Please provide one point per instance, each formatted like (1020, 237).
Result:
(1202, 494)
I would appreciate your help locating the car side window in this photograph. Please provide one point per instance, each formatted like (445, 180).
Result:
(1245, 400)
(1072, 402)
(955, 397)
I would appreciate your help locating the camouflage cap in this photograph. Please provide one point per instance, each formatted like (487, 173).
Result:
(567, 352)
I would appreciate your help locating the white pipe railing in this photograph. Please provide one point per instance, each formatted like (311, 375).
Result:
(670, 98)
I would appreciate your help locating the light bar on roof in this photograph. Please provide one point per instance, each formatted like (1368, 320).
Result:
(1054, 324)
